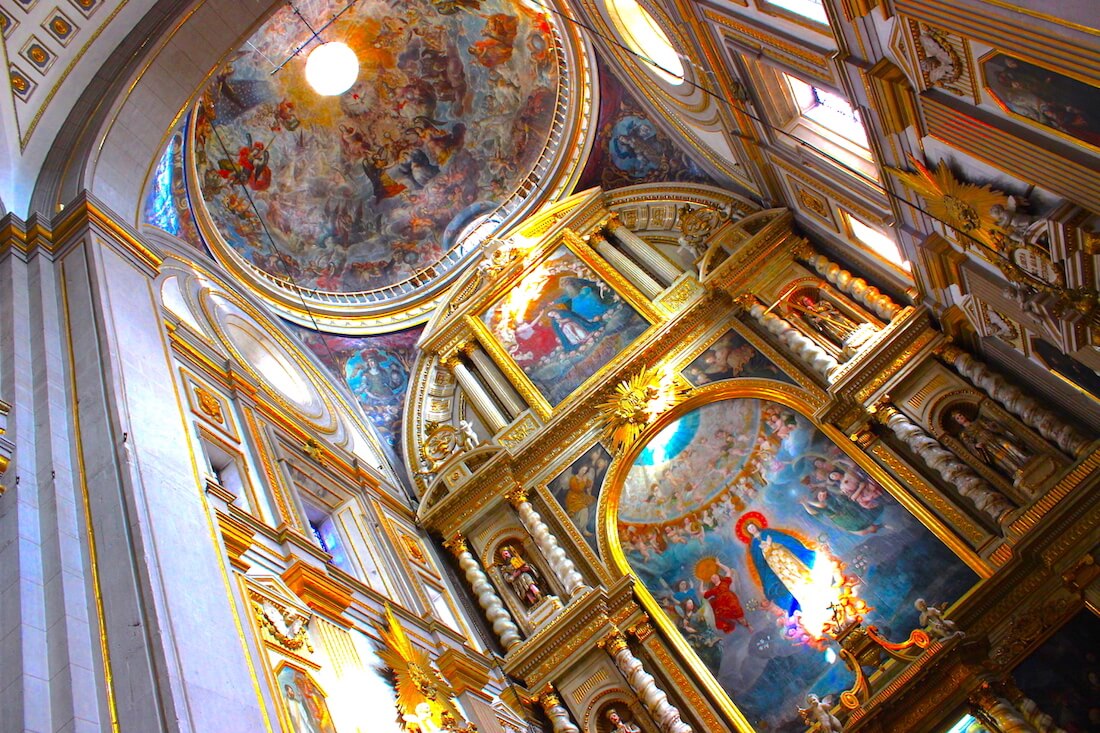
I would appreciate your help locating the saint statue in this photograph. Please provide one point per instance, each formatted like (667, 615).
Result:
(523, 579)
(838, 329)
(421, 719)
(992, 444)
(618, 725)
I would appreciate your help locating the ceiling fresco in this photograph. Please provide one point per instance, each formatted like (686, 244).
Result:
(630, 148)
(453, 107)
(165, 205)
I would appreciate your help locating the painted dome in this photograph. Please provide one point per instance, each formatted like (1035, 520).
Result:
(365, 202)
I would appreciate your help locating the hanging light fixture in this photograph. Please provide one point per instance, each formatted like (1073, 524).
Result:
(332, 68)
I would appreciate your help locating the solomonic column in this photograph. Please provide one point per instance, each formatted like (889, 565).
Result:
(644, 686)
(556, 557)
(486, 594)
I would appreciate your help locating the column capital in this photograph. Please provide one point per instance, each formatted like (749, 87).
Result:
(466, 347)
(613, 221)
(516, 496)
(883, 410)
(549, 699)
(949, 352)
(456, 545)
(614, 642)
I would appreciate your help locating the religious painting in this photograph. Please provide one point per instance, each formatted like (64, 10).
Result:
(306, 709)
(562, 323)
(629, 148)
(453, 106)
(1054, 101)
(577, 489)
(166, 205)
(748, 525)
(376, 369)
(1063, 675)
(730, 357)
(1067, 369)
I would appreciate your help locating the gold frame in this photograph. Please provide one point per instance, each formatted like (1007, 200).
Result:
(996, 100)
(801, 402)
(574, 245)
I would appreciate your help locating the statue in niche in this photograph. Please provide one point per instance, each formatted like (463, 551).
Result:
(521, 576)
(933, 621)
(620, 724)
(991, 443)
(838, 329)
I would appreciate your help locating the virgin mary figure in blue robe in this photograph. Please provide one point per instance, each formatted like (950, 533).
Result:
(781, 561)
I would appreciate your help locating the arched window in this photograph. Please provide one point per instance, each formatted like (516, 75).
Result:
(645, 37)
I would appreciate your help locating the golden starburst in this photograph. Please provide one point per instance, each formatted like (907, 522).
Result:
(638, 402)
(962, 206)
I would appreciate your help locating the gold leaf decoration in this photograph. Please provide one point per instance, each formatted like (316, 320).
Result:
(962, 206)
(638, 402)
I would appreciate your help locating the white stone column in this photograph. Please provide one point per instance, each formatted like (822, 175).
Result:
(559, 716)
(1013, 399)
(556, 557)
(665, 271)
(640, 278)
(644, 686)
(808, 351)
(857, 287)
(988, 500)
(479, 398)
(490, 372)
(487, 597)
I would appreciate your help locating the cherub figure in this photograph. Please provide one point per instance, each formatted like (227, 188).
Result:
(817, 712)
(934, 622)
(467, 439)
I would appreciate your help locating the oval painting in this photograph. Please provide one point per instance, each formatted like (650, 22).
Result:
(748, 524)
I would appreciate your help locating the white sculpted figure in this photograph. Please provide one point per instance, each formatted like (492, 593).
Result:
(817, 712)
(933, 621)
(618, 725)
(467, 438)
(421, 718)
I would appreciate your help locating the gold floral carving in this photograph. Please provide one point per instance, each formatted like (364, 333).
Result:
(210, 405)
(1027, 627)
(286, 626)
(637, 402)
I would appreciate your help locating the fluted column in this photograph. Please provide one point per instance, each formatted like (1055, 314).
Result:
(665, 271)
(1013, 399)
(559, 561)
(479, 398)
(641, 279)
(559, 716)
(802, 346)
(644, 686)
(486, 594)
(857, 287)
(500, 386)
(969, 484)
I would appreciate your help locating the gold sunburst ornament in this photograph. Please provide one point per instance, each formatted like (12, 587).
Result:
(638, 402)
(962, 206)
(424, 699)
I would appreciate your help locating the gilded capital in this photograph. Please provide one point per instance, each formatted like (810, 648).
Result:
(613, 222)
(949, 352)
(517, 496)
(883, 410)
(467, 347)
(614, 642)
(456, 545)
(549, 700)
(802, 250)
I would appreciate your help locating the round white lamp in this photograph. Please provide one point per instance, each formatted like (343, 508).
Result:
(332, 68)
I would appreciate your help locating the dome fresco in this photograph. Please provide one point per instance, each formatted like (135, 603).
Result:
(453, 108)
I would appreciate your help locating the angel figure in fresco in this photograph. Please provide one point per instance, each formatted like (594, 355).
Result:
(724, 603)
(523, 579)
(619, 724)
(843, 512)
(993, 444)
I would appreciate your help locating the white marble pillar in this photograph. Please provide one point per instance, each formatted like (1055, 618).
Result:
(857, 287)
(808, 351)
(1013, 399)
(644, 686)
(559, 716)
(640, 278)
(490, 372)
(665, 271)
(479, 398)
(556, 557)
(486, 594)
(988, 500)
